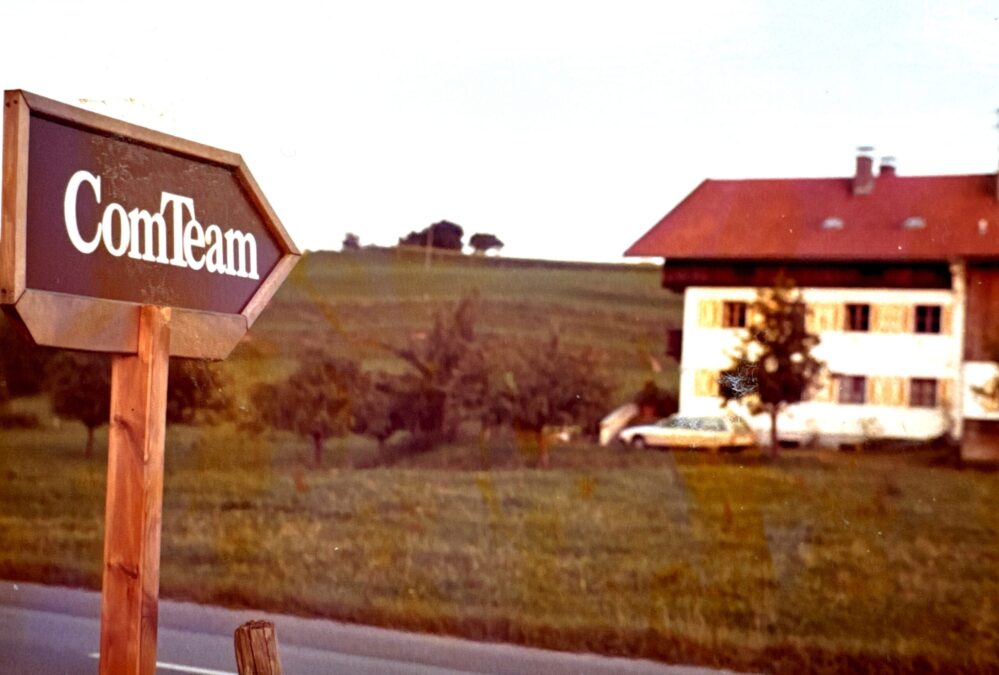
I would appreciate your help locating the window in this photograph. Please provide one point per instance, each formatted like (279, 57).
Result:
(923, 392)
(734, 315)
(858, 317)
(927, 318)
(852, 388)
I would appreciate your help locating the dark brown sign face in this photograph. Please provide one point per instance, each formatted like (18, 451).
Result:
(115, 219)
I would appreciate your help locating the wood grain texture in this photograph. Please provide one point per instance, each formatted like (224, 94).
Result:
(15, 196)
(133, 515)
(93, 324)
(269, 287)
(257, 649)
(113, 127)
(256, 195)
(205, 335)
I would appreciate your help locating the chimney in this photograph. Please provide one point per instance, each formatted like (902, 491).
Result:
(887, 169)
(863, 181)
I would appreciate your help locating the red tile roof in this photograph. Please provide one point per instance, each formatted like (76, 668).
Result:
(783, 219)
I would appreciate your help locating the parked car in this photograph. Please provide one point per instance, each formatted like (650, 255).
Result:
(723, 432)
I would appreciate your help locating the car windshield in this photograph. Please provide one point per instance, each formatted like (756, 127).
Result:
(694, 423)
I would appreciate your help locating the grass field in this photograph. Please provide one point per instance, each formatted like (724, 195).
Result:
(350, 302)
(820, 562)
(816, 563)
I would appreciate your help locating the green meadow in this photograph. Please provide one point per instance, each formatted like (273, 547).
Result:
(818, 562)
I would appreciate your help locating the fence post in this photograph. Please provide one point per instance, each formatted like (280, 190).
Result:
(257, 649)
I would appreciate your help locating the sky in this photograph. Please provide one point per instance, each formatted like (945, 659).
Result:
(567, 129)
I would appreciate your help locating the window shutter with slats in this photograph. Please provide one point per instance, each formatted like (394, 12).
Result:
(945, 392)
(705, 382)
(709, 313)
(946, 319)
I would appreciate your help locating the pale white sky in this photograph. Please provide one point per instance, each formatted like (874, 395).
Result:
(565, 128)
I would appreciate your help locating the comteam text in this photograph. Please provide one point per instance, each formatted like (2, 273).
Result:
(142, 235)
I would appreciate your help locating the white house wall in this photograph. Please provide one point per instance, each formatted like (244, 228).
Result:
(870, 354)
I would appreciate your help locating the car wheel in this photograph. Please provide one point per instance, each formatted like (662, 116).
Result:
(639, 443)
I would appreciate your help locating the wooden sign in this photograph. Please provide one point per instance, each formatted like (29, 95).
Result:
(102, 217)
(120, 239)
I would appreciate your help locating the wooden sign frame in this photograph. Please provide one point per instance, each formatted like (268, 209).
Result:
(96, 324)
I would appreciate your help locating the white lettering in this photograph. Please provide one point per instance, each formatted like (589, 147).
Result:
(177, 223)
(107, 225)
(247, 251)
(145, 236)
(215, 258)
(194, 237)
(69, 211)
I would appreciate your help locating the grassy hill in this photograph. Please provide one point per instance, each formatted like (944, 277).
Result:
(350, 302)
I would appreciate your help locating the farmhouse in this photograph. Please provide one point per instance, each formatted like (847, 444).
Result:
(901, 275)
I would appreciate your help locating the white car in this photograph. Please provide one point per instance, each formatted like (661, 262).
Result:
(691, 431)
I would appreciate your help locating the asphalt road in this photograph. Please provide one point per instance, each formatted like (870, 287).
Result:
(50, 630)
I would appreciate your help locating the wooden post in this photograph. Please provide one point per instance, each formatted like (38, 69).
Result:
(134, 508)
(257, 649)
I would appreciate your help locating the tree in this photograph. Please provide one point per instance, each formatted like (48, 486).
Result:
(655, 402)
(444, 235)
(426, 395)
(80, 387)
(351, 242)
(556, 385)
(316, 401)
(482, 243)
(197, 390)
(375, 410)
(22, 363)
(773, 365)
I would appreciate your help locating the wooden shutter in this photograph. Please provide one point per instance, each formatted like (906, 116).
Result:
(875, 394)
(811, 319)
(825, 389)
(824, 316)
(896, 391)
(901, 388)
(891, 319)
(705, 382)
(887, 390)
(945, 392)
(946, 319)
(837, 320)
(709, 313)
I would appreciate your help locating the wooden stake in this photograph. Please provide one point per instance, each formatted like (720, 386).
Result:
(133, 516)
(257, 649)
